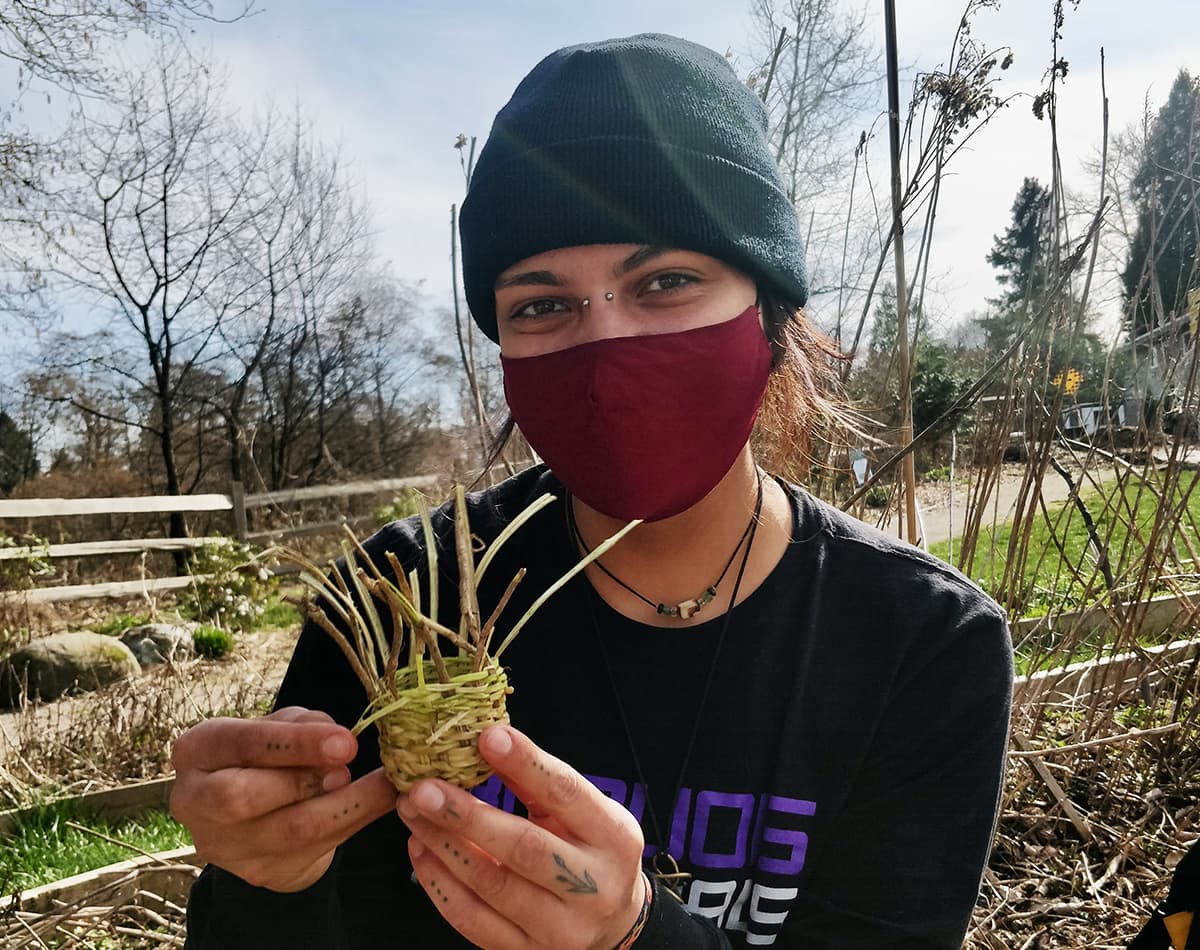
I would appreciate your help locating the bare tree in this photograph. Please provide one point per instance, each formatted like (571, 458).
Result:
(305, 239)
(64, 42)
(820, 73)
(142, 230)
(66, 47)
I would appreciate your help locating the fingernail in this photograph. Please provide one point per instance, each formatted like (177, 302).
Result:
(338, 748)
(334, 780)
(415, 848)
(499, 742)
(427, 797)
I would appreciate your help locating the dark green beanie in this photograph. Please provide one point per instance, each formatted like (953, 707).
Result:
(645, 140)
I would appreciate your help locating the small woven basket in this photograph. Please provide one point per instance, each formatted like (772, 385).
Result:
(430, 713)
(431, 730)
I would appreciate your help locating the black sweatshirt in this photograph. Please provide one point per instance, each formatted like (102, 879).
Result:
(844, 780)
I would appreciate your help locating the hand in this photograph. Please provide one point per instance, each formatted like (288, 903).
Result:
(568, 877)
(270, 799)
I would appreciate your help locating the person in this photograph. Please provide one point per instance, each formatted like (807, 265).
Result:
(1173, 925)
(753, 722)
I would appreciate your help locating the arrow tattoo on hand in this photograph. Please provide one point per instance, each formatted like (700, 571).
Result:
(575, 883)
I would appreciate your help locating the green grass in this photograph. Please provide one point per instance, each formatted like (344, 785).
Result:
(119, 623)
(278, 614)
(1059, 572)
(43, 848)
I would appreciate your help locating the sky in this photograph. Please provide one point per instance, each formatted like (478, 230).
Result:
(393, 85)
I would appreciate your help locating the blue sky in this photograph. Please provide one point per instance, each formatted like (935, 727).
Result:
(394, 83)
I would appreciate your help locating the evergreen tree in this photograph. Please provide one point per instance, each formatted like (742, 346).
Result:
(18, 460)
(1019, 259)
(1162, 257)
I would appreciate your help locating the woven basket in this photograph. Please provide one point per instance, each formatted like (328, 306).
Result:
(432, 730)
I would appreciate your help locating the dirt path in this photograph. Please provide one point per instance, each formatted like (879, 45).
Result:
(151, 707)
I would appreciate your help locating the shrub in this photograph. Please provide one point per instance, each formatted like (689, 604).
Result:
(876, 497)
(228, 586)
(19, 574)
(404, 505)
(212, 643)
(117, 624)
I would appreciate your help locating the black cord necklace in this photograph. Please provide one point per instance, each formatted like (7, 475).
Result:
(663, 866)
(685, 609)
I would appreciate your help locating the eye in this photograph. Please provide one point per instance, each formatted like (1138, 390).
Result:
(668, 281)
(538, 308)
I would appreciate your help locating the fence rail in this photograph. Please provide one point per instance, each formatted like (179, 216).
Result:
(237, 503)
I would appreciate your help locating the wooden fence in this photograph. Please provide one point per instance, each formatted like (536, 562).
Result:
(236, 503)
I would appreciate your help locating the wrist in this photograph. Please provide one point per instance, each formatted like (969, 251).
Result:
(639, 924)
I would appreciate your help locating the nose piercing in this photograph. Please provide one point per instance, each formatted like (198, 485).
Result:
(586, 302)
(608, 296)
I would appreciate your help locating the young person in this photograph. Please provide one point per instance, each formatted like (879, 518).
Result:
(755, 721)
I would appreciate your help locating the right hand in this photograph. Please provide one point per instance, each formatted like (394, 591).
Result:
(270, 799)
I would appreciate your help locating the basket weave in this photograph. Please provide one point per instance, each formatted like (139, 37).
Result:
(432, 731)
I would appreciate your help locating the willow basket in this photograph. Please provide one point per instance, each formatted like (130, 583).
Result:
(432, 730)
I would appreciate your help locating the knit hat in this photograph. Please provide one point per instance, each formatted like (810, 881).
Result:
(645, 140)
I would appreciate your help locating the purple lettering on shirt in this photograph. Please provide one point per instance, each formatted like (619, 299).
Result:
(614, 788)
(795, 841)
(683, 804)
(706, 802)
(489, 791)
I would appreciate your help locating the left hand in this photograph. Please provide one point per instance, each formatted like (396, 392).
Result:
(567, 877)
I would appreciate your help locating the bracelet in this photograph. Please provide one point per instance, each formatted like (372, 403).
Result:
(643, 915)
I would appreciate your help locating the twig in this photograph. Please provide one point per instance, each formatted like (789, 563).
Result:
(123, 844)
(1056, 790)
(490, 626)
(319, 617)
(468, 602)
(1028, 752)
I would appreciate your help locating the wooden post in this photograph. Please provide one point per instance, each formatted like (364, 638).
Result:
(908, 469)
(237, 494)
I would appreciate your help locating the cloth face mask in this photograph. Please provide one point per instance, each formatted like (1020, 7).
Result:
(643, 426)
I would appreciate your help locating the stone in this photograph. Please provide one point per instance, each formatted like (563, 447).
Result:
(155, 643)
(52, 666)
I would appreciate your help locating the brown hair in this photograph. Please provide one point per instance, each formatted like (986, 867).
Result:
(801, 407)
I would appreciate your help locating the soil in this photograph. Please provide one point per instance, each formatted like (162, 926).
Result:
(173, 697)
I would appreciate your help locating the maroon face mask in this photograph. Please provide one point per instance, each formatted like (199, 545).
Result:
(643, 426)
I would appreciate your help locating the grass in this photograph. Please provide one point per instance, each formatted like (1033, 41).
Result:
(1059, 572)
(117, 624)
(278, 614)
(44, 848)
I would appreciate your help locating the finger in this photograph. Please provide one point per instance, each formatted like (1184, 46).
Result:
(310, 827)
(462, 907)
(234, 795)
(298, 714)
(552, 789)
(263, 743)
(446, 817)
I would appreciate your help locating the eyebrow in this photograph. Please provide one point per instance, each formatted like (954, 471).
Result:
(641, 256)
(545, 278)
(532, 278)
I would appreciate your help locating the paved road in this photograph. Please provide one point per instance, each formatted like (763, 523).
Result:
(935, 502)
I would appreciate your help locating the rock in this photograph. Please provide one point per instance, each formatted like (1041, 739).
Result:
(154, 643)
(51, 666)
